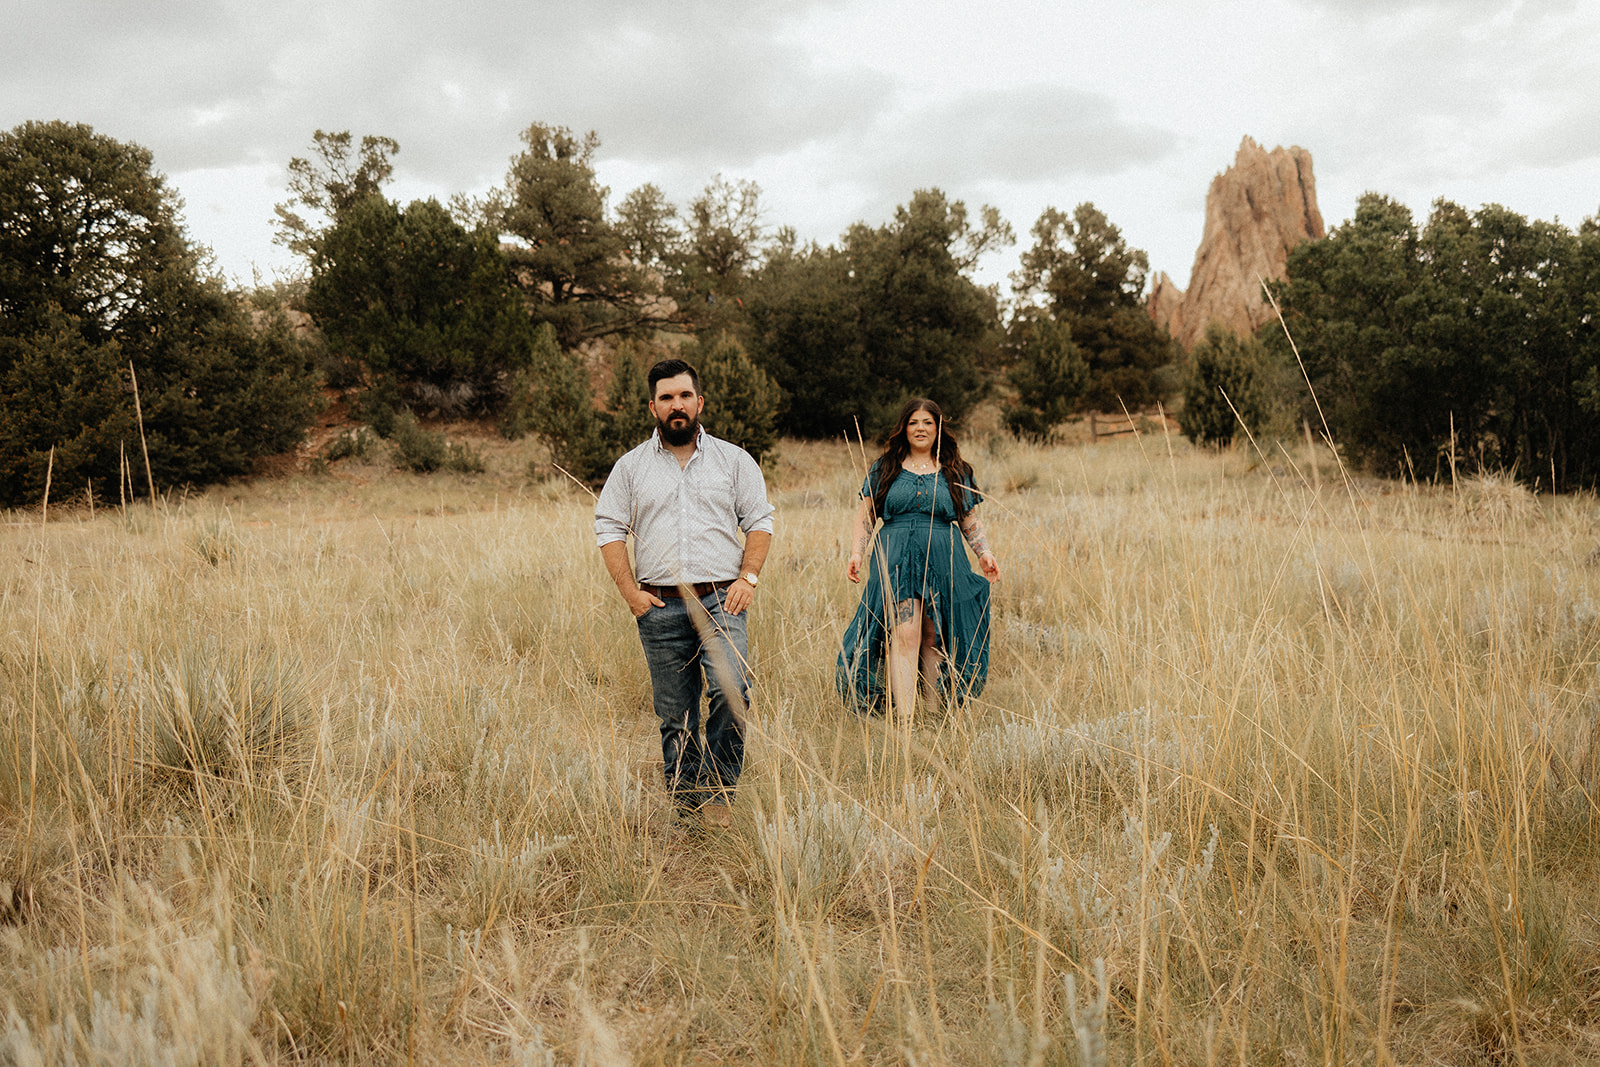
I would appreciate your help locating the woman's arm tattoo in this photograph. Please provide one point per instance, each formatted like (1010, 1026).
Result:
(972, 529)
(863, 528)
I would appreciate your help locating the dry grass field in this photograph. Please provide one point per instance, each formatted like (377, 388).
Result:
(1273, 767)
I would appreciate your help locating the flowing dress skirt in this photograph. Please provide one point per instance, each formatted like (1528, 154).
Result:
(920, 554)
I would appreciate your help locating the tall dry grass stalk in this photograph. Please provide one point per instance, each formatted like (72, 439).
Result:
(1271, 767)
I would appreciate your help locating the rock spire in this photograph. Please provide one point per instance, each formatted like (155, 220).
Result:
(1256, 211)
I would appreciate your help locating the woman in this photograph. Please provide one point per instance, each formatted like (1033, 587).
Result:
(924, 611)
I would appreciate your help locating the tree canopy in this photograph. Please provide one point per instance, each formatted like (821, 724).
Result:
(330, 184)
(568, 256)
(702, 260)
(850, 332)
(96, 276)
(1473, 336)
(1081, 271)
(648, 224)
(424, 307)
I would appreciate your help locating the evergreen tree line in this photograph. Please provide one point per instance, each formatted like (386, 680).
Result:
(504, 306)
(803, 339)
(1471, 340)
(1472, 337)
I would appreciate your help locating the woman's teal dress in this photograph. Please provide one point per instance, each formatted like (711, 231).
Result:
(920, 554)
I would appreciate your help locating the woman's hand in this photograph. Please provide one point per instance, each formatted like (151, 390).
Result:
(860, 537)
(989, 565)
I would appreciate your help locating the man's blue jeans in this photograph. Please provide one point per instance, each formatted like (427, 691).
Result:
(682, 663)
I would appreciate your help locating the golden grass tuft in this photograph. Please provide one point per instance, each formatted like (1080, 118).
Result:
(1497, 499)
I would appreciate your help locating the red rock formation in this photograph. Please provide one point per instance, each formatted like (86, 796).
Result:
(1256, 211)
(1165, 301)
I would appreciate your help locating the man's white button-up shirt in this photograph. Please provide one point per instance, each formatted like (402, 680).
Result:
(685, 521)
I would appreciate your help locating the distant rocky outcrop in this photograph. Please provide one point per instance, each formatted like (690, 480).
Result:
(1256, 211)
(1165, 301)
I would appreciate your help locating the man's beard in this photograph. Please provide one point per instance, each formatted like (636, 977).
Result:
(682, 433)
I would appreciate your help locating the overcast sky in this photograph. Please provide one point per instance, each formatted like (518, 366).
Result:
(839, 109)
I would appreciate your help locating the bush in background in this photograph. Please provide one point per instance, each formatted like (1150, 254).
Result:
(359, 442)
(1049, 374)
(464, 457)
(1231, 379)
(627, 415)
(554, 400)
(742, 400)
(415, 448)
(422, 451)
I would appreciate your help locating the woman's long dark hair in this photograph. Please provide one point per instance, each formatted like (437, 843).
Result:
(957, 471)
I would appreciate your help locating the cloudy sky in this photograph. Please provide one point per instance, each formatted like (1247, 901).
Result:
(839, 109)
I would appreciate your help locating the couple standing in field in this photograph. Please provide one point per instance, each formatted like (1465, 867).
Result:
(686, 497)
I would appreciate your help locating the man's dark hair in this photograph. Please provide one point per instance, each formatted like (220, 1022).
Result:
(671, 368)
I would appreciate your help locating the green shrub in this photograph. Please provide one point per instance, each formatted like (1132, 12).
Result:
(414, 448)
(1049, 375)
(742, 400)
(464, 458)
(1228, 374)
(379, 404)
(627, 413)
(61, 391)
(554, 401)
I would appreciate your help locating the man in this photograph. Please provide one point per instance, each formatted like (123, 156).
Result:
(685, 496)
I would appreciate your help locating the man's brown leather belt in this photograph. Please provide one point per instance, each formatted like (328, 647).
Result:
(700, 588)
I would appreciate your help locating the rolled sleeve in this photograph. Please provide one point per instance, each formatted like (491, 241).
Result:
(612, 512)
(752, 507)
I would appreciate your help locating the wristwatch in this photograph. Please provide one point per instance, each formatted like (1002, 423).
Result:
(750, 579)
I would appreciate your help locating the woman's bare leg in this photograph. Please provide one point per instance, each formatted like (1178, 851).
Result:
(929, 656)
(905, 643)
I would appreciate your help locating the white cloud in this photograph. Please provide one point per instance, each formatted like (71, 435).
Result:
(839, 108)
(1024, 134)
